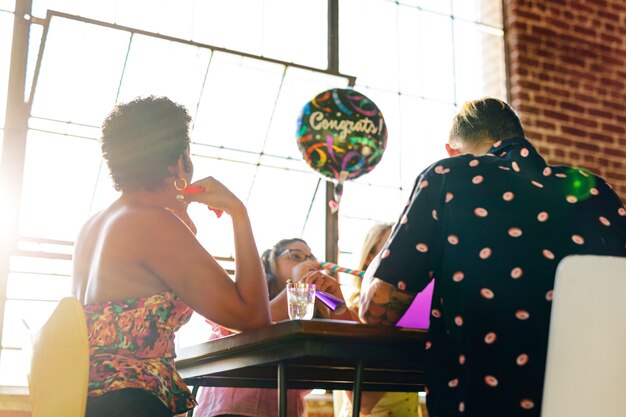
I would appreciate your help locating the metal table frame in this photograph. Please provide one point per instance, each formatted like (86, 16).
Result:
(304, 354)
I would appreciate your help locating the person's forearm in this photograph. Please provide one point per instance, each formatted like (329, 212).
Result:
(249, 275)
(278, 307)
(383, 303)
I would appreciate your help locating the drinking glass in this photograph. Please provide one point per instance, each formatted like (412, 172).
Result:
(300, 300)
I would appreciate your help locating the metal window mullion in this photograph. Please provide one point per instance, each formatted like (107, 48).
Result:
(14, 145)
(332, 218)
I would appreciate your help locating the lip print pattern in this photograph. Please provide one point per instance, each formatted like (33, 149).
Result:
(491, 231)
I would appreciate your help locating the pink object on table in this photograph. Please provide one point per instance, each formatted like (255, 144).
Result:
(418, 314)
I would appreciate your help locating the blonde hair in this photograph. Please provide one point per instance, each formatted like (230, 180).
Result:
(484, 121)
(371, 241)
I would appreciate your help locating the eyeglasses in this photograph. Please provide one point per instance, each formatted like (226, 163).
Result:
(297, 255)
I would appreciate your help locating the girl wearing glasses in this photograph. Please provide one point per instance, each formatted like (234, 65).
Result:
(289, 259)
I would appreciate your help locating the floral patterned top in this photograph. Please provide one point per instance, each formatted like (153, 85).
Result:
(131, 345)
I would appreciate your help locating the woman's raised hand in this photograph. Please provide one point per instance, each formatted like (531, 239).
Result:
(216, 196)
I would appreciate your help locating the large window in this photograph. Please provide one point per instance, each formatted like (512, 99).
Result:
(243, 69)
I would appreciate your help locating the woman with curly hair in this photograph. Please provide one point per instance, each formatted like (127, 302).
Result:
(140, 271)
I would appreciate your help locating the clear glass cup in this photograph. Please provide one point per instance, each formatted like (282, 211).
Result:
(300, 300)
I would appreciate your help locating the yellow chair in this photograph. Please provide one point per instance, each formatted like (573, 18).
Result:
(59, 370)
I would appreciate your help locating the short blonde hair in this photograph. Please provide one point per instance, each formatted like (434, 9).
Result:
(483, 121)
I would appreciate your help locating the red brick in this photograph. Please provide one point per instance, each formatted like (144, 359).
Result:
(584, 31)
(613, 128)
(566, 105)
(590, 159)
(610, 38)
(600, 113)
(545, 125)
(584, 122)
(612, 175)
(556, 115)
(601, 3)
(570, 60)
(587, 146)
(601, 137)
(618, 152)
(574, 100)
(614, 83)
(610, 16)
(573, 131)
(560, 141)
(550, 102)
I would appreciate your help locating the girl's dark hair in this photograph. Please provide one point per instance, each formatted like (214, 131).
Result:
(141, 141)
(268, 259)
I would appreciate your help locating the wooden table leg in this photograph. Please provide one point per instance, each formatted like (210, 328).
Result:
(356, 390)
(282, 389)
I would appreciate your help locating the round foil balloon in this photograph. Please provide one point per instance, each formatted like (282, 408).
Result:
(342, 135)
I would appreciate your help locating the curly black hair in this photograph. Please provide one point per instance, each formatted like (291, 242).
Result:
(142, 140)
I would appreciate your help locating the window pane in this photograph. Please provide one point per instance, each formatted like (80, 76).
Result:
(16, 312)
(81, 68)
(169, 17)
(410, 45)
(13, 365)
(425, 125)
(34, 44)
(60, 175)
(368, 37)
(40, 265)
(238, 102)
(233, 24)
(8, 5)
(314, 232)
(440, 6)
(279, 203)
(6, 35)
(38, 286)
(474, 42)
(483, 11)
(216, 235)
(104, 10)
(437, 48)
(351, 237)
(298, 88)
(387, 172)
(164, 68)
(289, 37)
(370, 201)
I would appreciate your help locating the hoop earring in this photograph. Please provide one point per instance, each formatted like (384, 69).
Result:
(176, 184)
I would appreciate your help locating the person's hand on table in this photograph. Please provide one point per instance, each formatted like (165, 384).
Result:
(326, 283)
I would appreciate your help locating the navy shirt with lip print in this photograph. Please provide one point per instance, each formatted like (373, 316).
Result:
(491, 230)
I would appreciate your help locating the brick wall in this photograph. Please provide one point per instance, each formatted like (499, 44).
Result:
(567, 79)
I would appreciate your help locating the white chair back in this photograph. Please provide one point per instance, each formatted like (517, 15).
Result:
(586, 362)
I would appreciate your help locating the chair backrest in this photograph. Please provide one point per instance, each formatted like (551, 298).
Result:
(586, 363)
(59, 370)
